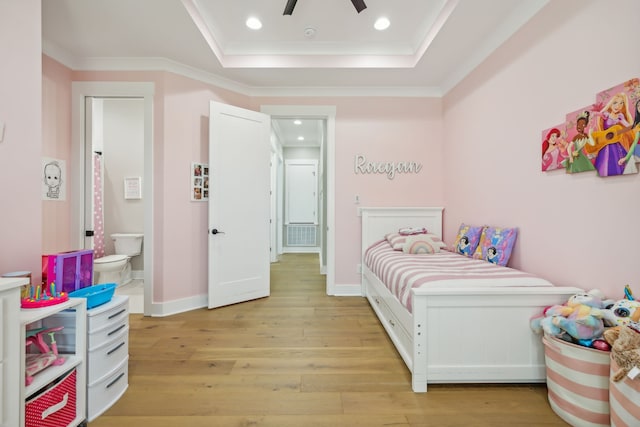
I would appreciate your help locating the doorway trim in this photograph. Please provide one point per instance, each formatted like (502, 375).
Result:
(328, 113)
(80, 91)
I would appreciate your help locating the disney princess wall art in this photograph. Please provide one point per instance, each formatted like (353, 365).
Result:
(601, 137)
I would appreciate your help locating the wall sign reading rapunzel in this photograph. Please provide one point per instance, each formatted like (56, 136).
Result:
(601, 137)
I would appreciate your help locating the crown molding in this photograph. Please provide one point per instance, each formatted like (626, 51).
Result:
(163, 64)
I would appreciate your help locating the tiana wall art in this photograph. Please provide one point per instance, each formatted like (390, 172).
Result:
(602, 137)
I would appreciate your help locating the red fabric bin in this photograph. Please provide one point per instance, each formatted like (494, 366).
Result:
(55, 407)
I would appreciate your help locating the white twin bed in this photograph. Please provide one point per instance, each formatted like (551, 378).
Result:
(453, 326)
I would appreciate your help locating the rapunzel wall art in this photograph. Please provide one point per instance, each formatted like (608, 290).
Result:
(602, 137)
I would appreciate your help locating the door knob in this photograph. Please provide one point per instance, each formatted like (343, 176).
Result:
(215, 231)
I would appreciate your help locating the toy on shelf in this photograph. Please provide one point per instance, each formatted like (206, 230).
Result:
(70, 271)
(40, 297)
(48, 356)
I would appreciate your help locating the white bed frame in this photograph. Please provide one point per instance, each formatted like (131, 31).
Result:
(457, 335)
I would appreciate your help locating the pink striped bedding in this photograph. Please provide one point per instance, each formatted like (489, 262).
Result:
(400, 272)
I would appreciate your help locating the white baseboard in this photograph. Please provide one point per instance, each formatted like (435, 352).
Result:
(301, 249)
(178, 306)
(193, 303)
(348, 290)
(137, 274)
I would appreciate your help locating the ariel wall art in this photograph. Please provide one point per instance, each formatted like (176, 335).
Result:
(602, 137)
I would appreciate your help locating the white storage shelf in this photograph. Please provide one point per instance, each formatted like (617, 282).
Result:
(10, 350)
(75, 355)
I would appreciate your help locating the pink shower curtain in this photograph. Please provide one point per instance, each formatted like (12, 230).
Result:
(98, 223)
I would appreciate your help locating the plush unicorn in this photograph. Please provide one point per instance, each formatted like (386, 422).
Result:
(583, 318)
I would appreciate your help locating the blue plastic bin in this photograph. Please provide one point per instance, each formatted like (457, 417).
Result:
(96, 295)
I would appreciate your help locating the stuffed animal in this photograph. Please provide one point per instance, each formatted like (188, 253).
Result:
(582, 318)
(624, 311)
(626, 350)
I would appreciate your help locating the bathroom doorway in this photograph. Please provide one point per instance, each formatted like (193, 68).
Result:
(112, 133)
(114, 170)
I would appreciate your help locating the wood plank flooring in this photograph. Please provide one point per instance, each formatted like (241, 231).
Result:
(296, 358)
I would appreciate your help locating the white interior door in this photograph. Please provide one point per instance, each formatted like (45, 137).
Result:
(302, 196)
(239, 205)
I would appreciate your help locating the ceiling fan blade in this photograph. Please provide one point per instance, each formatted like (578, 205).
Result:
(359, 5)
(288, 9)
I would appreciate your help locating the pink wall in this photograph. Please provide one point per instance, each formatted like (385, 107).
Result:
(186, 140)
(484, 169)
(21, 149)
(181, 111)
(382, 129)
(56, 143)
(363, 126)
(574, 229)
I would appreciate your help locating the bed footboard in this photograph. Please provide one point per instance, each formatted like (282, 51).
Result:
(457, 335)
(480, 335)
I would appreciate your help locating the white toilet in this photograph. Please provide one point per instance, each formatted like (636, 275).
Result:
(117, 268)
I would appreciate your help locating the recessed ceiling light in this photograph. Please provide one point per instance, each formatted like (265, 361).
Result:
(309, 32)
(297, 122)
(381, 24)
(254, 23)
(301, 138)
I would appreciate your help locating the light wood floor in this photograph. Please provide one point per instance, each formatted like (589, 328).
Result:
(296, 359)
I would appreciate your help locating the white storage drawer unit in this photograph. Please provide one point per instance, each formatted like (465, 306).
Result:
(106, 391)
(107, 355)
(109, 315)
(107, 351)
(103, 358)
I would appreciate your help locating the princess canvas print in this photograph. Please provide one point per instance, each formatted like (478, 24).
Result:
(554, 148)
(602, 137)
(578, 124)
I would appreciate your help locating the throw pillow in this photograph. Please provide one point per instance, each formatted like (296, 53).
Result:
(467, 239)
(496, 245)
(420, 244)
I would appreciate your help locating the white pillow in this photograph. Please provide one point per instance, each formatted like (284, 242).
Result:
(420, 244)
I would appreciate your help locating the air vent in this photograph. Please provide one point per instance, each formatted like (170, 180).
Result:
(301, 235)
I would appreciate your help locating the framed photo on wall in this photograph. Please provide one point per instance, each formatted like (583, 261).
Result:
(133, 188)
(54, 173)
(199, 182)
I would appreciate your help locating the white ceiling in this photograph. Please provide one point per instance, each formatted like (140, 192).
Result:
(430, 46)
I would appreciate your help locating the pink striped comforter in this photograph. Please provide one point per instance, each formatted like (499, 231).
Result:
(401, 272)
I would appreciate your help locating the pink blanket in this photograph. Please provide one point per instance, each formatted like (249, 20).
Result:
(400, 272)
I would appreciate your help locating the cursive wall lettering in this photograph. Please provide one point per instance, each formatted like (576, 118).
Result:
(363, 166)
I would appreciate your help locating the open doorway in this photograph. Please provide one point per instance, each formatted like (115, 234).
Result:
(82, 95)
(300, 217)
(114, 144)
(309, 228)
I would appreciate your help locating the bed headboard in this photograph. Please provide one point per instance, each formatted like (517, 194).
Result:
(376, 222)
